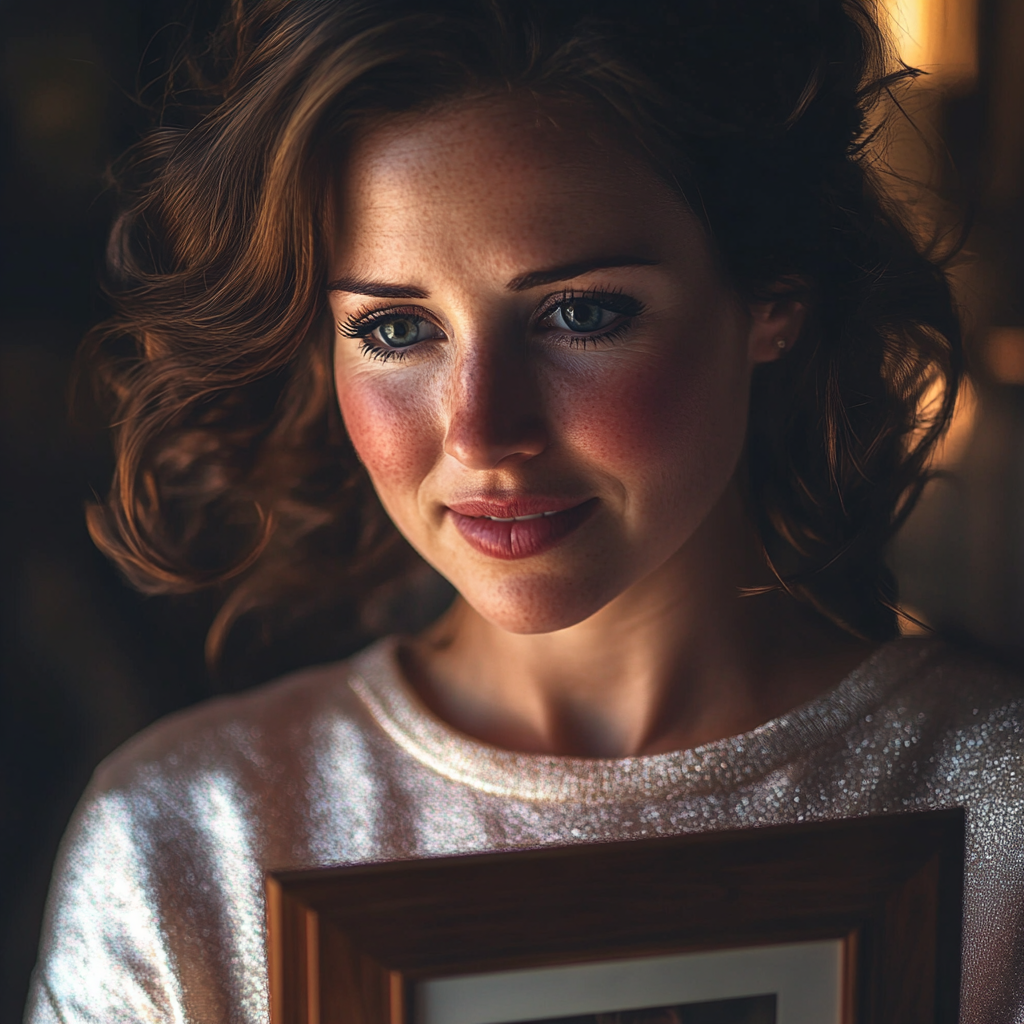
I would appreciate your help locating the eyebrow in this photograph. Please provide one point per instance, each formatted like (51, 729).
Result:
(534, 279)
(378, 289)
(569, 270)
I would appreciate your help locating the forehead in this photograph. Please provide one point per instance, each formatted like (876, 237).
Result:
(500, 184)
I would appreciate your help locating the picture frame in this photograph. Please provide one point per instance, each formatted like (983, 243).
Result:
(862, 915)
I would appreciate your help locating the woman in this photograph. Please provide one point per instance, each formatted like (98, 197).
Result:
(604, 307)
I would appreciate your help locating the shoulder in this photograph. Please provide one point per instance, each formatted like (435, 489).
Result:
(960, 711)
(245, 733)
(964, 685)
(163, 860)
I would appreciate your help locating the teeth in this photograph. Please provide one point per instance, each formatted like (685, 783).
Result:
(519, 519)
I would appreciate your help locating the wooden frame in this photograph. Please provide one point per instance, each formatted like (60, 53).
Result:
(348, 945)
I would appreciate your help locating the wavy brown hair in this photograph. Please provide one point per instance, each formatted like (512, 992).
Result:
(233, 469)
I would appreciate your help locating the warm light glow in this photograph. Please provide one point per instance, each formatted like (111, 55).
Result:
(949, 454)
(1004, 354)
(951, 449)
(913, 622)
(909, 24)
(938, 36)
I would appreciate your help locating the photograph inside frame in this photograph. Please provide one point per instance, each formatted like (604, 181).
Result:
(790, 983)
(745, 1010)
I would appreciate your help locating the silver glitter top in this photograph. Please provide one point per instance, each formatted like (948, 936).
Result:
(156, 911)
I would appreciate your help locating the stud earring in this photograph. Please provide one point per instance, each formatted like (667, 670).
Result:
(781, 344)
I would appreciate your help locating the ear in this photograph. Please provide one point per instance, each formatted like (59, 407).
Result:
(775, 326)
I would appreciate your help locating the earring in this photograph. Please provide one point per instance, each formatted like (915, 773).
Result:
(781, 344)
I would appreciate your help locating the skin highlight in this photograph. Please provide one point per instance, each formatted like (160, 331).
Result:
(626, 634)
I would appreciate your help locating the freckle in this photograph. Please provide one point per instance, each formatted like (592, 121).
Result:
(389, 432)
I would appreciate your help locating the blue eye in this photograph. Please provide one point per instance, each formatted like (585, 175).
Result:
(389, 335)
(403, 331)
(591, 317)
(580, 315)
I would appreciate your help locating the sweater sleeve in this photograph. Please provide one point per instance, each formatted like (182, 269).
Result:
(104, 956)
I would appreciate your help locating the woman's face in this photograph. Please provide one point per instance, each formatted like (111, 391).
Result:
(537, 359)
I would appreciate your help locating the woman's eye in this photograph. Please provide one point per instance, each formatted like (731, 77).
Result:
(581, 316)
(403, 331)
(593, 318)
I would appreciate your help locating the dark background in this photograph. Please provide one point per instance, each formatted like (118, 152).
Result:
(85, 662)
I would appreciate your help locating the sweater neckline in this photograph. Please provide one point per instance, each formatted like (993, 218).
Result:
(722, 765)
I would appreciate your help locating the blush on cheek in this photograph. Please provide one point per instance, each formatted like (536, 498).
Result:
(390, 432)
(643, 414)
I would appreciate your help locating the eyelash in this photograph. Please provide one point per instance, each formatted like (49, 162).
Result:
(366, 320)
(613, 299)
(363, 322)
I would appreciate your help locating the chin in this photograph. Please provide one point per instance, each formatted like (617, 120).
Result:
(538, 606)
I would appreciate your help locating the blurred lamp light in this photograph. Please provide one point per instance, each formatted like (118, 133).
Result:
(1004, 354)
(937, 36)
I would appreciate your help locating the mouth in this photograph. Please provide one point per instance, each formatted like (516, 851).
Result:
(521, 528)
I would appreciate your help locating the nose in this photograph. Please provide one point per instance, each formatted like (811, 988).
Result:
(495, 415)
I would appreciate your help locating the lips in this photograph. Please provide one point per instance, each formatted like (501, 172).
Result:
(519, 528)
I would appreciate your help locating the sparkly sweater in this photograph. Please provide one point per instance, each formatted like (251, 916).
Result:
(156, 911)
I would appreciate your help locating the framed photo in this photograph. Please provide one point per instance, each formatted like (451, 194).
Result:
(842, 922)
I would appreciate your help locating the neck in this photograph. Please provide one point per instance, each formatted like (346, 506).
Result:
(680, 659)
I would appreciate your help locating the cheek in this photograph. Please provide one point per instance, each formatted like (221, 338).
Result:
(661, 414)
(391, 430)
